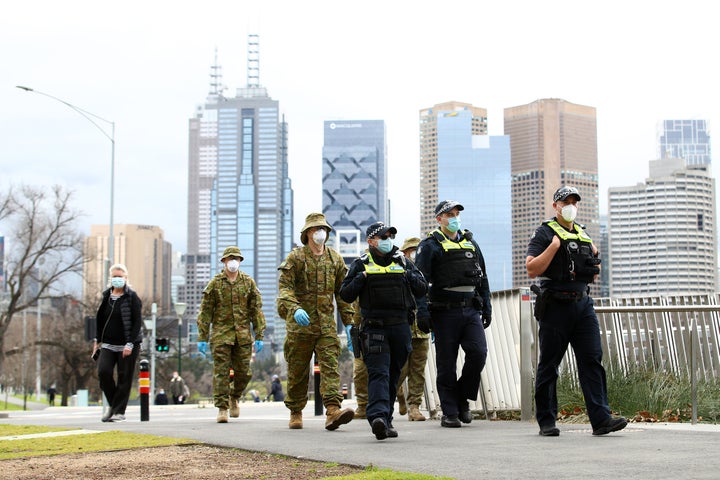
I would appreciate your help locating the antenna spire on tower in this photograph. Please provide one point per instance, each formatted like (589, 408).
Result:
(215, 77)
(253, 65)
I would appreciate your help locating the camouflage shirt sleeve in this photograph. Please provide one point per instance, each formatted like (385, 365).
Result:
(257, 317)
(346, 310)
(207, 311)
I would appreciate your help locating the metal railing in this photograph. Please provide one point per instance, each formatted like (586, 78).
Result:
(679, 334)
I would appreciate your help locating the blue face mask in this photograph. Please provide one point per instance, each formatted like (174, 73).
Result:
(453, 224)
(117, 282)
(385, 245)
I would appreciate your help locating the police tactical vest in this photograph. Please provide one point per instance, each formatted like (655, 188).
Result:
(385, 288)
(578, 262)
(459, 265)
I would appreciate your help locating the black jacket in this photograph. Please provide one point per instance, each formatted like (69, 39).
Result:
(119, 323)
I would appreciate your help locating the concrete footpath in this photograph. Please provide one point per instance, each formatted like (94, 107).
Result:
(483, 449)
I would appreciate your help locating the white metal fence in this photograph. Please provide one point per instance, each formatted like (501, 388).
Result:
(678, 334)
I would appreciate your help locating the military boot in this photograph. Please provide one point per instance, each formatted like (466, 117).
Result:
(222, 416)
(234, 407)
(336, 417)
(414, 414)
(402, 410)
(295, 420)
(360, 411)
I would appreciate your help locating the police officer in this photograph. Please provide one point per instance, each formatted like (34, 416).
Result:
(414, 369)
(564, 259)
(457, 309)
(231, 305)
(386, 284)
(310, 278)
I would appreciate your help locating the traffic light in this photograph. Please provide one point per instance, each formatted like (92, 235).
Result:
(162, 345)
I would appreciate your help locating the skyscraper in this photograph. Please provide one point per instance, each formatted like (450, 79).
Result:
(552, 143)
(459, 161)
(145, 253)
(662, 234)
(354, 181)
(686, 139)
(238, 178)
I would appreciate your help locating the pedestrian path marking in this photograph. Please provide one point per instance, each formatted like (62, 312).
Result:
(49, 434)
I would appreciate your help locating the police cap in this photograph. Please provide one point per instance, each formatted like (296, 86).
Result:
(446, 206)
(563, 192)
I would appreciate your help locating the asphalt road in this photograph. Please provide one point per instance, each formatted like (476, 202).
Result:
(483, 449)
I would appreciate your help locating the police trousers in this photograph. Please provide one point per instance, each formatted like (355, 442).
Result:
(570, 323)
(455, 328)
(389, 349)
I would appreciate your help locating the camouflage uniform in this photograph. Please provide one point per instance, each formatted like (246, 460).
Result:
(230, 309)
(311, 282)
(414, 368)
(360, 374)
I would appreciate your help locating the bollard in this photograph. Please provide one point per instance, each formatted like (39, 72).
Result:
(318, 397)
(144, 391)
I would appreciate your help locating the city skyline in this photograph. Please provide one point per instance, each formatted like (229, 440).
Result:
(144, 74)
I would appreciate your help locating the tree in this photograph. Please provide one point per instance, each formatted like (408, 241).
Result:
(43, 233)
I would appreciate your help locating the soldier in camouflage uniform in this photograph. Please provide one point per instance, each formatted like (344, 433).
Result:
(360, 375)
(310, 277)
(231, 304)
(414, 369)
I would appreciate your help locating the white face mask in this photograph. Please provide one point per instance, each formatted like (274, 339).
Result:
(319, 236)
(569, 212)
(233, 265)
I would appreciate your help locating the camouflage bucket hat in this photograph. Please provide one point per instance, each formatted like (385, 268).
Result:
(231, 252)
(409, 243)
(313, 220)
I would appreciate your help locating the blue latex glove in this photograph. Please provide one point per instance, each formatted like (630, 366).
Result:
(349, 342)
(432, 336)
(258, 346)
(202, 347)
(301, 317)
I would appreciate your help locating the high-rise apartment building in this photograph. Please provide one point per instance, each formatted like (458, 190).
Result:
(553, 143)
(686, 139)
(145, 253)
(354, 181)
(239, 190)
(662, 234)
(459, 161)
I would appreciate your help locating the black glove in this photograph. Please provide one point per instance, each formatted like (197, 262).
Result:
(424, 324)
(487, 319)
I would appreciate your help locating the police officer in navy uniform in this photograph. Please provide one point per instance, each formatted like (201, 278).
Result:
(457, 309)
(564, 260)
(386, 285)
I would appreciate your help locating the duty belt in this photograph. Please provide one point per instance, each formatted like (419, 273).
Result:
(448, 305)
(571, 296)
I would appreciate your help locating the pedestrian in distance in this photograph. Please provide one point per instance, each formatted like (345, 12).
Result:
(386, 284)
(310, 279)
(414, 369)
(276, 390)
(177, 389)
(564, 260)
(230, 316)
(119, 321)
(161, 398)
(457, 309)
(51, 395)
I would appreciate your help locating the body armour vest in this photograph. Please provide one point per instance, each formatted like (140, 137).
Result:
(385, 288)
(577, 260)
(460, 264)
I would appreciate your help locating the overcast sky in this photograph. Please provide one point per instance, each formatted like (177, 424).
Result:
(145, 65)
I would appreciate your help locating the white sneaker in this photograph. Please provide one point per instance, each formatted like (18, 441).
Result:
(118, 417)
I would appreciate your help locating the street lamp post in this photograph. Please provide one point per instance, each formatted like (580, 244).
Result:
(111, 136)
(180, 310)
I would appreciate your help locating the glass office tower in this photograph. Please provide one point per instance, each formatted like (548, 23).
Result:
(686, 139)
